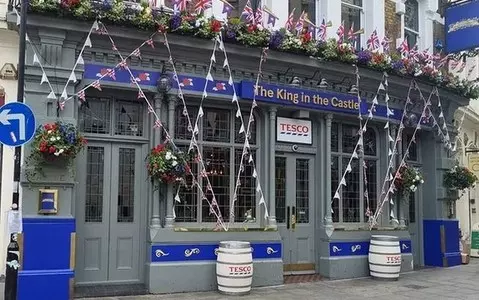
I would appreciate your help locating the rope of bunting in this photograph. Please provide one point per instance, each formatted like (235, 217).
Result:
(444, 136)
(359, 143)
(246, 145)
(392, 179)
(459, 130)
(387, 128)
(392, 151)
(214, 209)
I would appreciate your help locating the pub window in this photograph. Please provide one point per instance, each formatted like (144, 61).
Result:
(307, 6)
(352, 206)
(351, 11)
(411, 22)
(221, 146)
(106, 116)
(414, 159)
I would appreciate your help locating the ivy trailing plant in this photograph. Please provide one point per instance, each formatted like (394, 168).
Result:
(141, 15)
(53, 143)
(459, 178)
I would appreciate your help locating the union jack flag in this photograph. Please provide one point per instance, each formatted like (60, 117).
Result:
(180, 5)
(202, 5)
(322, 31)
(248, 13)
(290, 22)
(404, 48)
(340, 32)
(427, 57)
(136, 53)
(141, 94)
(414, 53)
(259, 16)
(351, 36)
(96, 85)
(157, 124)
(385, 43)
(111, 74)
(81, 95)
(61, 105)
(150, 43)
(300, 24)
(373, 41)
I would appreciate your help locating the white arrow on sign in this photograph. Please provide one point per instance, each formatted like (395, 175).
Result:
(5, 118)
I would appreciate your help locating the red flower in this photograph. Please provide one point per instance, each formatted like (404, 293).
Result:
(52, 149)
(306, 37)
(215, 26)
(251, 28)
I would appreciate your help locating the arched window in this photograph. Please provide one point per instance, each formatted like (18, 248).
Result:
(411, 22)
(352, 206)
(221, 145)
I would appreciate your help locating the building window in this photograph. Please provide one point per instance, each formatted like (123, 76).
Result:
(411, 22)
(221, 147)
(352, 206)
(307, 6)
(413, 159)
(107, 117)
(351, 11)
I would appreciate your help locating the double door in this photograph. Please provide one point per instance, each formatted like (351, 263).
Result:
(294, 212)
(109, 214)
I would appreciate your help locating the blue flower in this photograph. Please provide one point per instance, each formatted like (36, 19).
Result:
(175, 22)
(276, 40)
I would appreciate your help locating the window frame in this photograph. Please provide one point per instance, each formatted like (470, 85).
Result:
(232, 146)
(413, 31)
(361, 158)
(360, 10)
(417, 163)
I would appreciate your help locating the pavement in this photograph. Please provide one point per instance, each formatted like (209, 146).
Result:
(461, 282)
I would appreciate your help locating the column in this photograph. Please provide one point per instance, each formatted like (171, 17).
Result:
(170, 220)
(155, 217)
(272, 169)
(328, 220)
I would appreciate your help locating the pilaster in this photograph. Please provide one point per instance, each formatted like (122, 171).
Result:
(170, 219)
(328, 220)
(272, 169)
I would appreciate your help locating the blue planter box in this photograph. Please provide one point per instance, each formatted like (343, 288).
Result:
(441, 243)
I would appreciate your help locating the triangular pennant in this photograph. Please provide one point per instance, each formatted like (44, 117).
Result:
(381, 86)
(390, 152)
(375, 100)
(80, 60)
(258, 186)
(27, 38)
(391, 201)
(254, 173)
(36, 61)
(391, 138)
(230, 81)
(51, 95)
(213, 57)
(95, 26)
(177, 197)
(72, 77)
(441, 114)
(343, 181)
(238, 113)
(44, 78)
(355, 154)
(370, 116)
(392, 215)
(386, 82)
(386, 126)
(205, 94)
(196, 130)
(64, 94)
(19, 19)
(386, 98)
(246, 144)
(389, 112)
(439, 103)
(88, 41)
(225, 63)
(261, 201)
(266, 215)
(250, 160)
(241, 129)
(209, 77)
(222, 46)
(444, 126)
(390, 177)
(235, 98)
(349, 168)
(336, 195)
(200, 112)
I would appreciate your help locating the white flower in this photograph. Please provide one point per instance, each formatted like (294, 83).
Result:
(417, 177)
(168, 155)
(61, 151)
(415, 189)
(58, 138)
(49, 131)
(422, 180)
(53, 139)
(174, 163)
(411, 187)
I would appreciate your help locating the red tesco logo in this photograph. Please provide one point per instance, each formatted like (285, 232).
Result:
(294, 128)
(240, 269)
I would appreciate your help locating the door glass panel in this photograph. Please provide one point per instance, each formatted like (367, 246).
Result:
(129, 118)
(280, 182)
(217, 163)
(95, 116)
(126, 185)
(302, 190)
(351, 207)
(94, 184)
(246, 195)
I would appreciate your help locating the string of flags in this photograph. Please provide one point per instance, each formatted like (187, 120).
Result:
(442, 126)
(213, 205)
(459, 131)
(246, 152)
(360, 143)
(392, 187)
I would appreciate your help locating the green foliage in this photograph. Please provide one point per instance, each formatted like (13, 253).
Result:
(459, 178)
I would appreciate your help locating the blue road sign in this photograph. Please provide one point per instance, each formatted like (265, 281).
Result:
(17, 124)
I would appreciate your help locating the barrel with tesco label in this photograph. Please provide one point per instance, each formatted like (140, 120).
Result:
(384, 257)
(234, 267)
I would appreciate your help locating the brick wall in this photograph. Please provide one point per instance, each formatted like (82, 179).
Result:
(392, 22)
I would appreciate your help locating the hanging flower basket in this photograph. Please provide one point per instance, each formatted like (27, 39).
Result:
(166, 164)
(54, 144)
(409, 180)
(458, 179)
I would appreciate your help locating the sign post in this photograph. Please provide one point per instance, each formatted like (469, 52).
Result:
(475, 240)
(17, 127)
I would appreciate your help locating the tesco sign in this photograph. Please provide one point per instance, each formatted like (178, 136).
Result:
(293, 131)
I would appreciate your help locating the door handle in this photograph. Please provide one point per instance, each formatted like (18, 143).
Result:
(293, 218)
(287, 217)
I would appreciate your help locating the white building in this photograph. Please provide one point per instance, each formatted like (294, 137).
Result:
(8, 93)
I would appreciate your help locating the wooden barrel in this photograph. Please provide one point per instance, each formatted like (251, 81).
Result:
(234, 268)
(384, 257)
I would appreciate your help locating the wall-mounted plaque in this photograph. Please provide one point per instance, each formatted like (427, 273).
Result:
(48, 202)
(8, 71)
